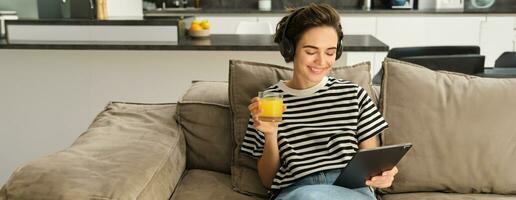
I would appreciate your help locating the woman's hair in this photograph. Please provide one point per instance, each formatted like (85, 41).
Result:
(305, 18)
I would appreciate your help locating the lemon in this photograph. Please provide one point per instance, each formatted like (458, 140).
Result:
(196, 21)
(205, 25)
(195, 27)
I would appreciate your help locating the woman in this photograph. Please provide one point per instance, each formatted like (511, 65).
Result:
(325, 122)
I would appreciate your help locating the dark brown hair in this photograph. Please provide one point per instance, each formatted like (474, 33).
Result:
(313, 15)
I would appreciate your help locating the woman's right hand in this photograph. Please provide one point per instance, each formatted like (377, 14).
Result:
(266, 128)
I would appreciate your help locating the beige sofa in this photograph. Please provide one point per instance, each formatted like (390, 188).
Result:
(189, 150)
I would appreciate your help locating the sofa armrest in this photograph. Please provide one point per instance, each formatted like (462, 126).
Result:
(130, 151)
(3, 193)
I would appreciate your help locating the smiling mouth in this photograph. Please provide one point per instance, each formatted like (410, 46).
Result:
(316, 70)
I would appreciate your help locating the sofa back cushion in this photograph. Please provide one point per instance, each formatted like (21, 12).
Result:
(246, 79)
(130, 151)
(462, 129)
(203, 113)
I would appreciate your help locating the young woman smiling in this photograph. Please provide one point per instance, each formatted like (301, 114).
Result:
(326, 120)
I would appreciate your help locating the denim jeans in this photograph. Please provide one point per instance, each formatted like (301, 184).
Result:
(320, 186)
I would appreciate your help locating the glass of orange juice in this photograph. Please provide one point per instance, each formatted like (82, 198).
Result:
(271, 104)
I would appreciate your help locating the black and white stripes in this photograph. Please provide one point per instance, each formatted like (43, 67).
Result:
(321, 128)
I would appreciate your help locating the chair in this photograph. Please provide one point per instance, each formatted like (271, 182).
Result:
(461, 59)
(246, 27)
(507, 59)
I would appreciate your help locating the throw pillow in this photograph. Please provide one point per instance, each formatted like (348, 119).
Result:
(461, 126)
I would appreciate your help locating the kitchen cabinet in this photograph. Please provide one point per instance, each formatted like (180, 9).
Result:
(426, 31)
(358, 25)
(514, 42)
(496, 37)
(273, 21)
(225, 24)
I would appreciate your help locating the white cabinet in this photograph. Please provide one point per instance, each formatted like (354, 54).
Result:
(352, 25)
(225, 24)
(514, 42)
(273, 21)
(429, 30)
(496, 37)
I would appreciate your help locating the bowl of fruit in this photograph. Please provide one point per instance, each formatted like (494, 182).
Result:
(199, 29)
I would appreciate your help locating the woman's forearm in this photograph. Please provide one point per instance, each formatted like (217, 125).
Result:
(269, 163)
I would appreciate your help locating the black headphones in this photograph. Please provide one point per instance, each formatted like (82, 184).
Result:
(287, 48)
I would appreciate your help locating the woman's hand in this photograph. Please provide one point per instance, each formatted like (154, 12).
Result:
(384, 180)
(264, 127)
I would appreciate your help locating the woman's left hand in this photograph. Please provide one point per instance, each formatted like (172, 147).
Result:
(384, 180)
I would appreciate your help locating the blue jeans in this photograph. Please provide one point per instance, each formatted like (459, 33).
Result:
(319, 186)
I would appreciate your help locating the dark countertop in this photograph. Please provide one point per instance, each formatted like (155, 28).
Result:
(229, 42)
(505, 10)
(498, 72)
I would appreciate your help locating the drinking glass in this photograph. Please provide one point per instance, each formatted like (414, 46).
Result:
(271, 104)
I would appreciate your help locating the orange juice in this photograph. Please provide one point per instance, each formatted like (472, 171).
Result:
(272, 109)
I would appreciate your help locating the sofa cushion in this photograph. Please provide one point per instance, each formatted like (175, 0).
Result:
(203, 113)
(245, 80)
(462, 129)
(446, 196)
(207, 185)
(130, 151)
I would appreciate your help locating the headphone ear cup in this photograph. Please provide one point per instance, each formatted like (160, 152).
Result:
(287, 50)
(339, 49)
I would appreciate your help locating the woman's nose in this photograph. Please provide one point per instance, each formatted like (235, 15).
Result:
(320, 59)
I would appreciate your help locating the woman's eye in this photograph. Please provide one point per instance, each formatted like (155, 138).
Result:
(330, 53)
(310, 53)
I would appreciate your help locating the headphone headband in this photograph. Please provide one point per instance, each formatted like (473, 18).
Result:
(287, 47)
(284, 35)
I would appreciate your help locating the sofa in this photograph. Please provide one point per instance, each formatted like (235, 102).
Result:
(462, 129)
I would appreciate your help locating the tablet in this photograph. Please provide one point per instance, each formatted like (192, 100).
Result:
(370, 162)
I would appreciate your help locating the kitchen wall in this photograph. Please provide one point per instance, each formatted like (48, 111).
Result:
(276, 4)
(25, 8)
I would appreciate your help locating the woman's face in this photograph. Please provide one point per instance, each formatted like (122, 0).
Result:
(315, 54)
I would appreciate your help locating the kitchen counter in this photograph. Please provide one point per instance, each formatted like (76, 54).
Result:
(497, 72)
(227, 42)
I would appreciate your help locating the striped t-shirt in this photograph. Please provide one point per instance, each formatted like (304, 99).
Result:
(321, 128)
